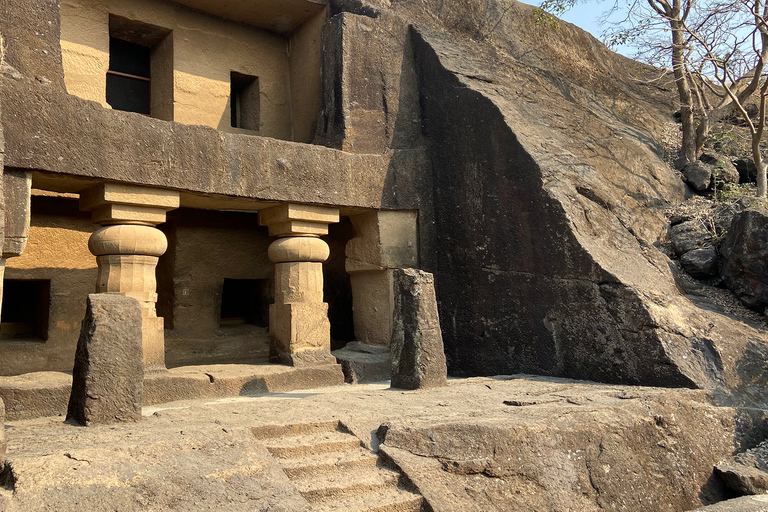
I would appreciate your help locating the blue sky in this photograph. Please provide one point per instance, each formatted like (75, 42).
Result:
(586, 15)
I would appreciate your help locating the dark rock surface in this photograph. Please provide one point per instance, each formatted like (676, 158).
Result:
(688, 236)
(109, 366)
(701, 263)
(745, 255)
(748, 472)
(698, 175)
(361, 362)
(418, 357)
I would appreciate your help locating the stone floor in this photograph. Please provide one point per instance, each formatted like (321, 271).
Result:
(485, 444)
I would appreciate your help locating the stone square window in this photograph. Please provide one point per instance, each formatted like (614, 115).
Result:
(25, 309)
(244, 101)
(140, 75)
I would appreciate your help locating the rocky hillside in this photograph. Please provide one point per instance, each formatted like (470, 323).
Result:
(549, 187)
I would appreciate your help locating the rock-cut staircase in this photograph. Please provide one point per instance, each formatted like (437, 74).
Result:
(334, 472)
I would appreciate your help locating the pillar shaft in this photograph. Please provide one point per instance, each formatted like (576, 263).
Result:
(127, 248)
(300, 332)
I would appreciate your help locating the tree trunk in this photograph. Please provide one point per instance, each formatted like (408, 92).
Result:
(683, 87)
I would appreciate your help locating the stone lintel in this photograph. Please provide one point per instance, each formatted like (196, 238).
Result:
(117, 203)
(126, 214)
(298, 219)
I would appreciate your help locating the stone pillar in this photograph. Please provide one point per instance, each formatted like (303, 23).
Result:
(17, 200)
(127, 248)
(299, 330)
(384, 241)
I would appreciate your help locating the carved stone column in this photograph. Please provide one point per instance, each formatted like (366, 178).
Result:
(300, 333)
(127, 248)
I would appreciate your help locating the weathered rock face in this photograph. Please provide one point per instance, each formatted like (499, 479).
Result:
(418, 357)
(643, 454)
(743, 504)
(109, 365)
(545, 219)
(748, 472)
(745, 254)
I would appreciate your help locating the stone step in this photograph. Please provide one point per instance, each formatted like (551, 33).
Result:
(388, 499)
(311, 444)
(322, 489)
(327, 463)
(292, 430)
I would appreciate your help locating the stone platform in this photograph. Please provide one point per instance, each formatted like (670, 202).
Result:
(477, 445)
(41, 394)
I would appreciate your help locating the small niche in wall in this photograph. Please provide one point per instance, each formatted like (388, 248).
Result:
(25, 309)
(244, 101)
(140, 75)
(245, 301)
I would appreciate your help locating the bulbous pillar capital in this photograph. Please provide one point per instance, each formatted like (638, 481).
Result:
(298, 248)
(128, 239)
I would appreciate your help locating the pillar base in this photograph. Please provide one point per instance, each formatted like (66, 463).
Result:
(300, 333)
(153, 341)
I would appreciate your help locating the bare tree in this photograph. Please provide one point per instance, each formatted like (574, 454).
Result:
(732, 42)
(717, 49)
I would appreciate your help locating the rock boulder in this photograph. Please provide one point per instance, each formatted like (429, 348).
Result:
(701, 263)
(748, 472)
(723, 169)
(698, 175)
(745, 256)
(746, 169)
(418, 359)
(688, 236)
(109, 368)
(361, 362)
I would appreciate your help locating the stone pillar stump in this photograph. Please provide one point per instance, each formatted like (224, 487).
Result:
(299, 329)
(418, 356)
(108, 375)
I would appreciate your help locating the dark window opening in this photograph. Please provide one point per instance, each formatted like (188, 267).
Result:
(25, 308)
(244, 101)
(245, 301)
(140, 75)
(128, 78)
